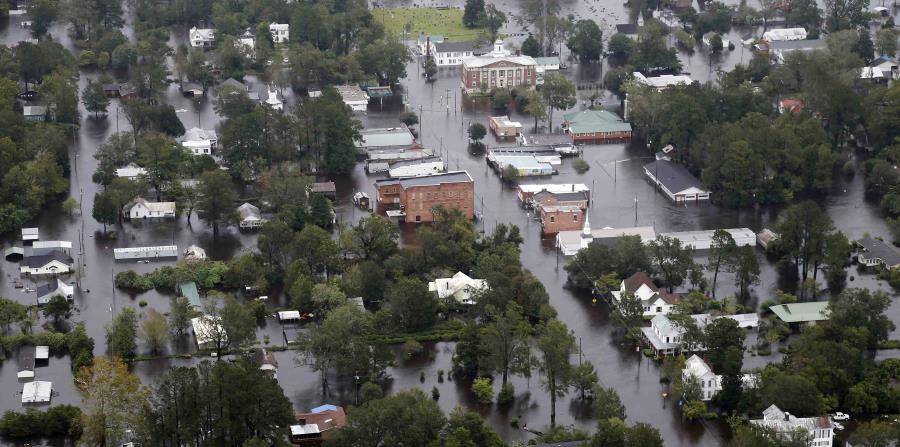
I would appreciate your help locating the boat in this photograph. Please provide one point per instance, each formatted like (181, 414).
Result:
(566, 150)
(361, 200)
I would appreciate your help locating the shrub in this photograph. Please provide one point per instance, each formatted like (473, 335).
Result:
(412, 348)
(484, 390)
(581, 165)
(506, 395)
(370, 391)
(685, 39)
(440, 376)
(132, 280)
(435, 393)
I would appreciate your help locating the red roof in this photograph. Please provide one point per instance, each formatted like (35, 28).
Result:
(635, 281)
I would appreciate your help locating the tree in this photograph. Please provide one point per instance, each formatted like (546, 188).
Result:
(806, 14)
(320, 211)
(844, 14)
(94, 99)
(746, 270)
(643, 435)
(477, 131)
(339, 344)
(584, 379)
(621, 46)
(506, 340)
(875, 434)
(531, 47)
(406, 418)
(469, 352)
(492, 20)
(217, 199)
(651, 52)
(385, 59)
(121, 333)
(865, 310)
(555, 344)
(559, 92)
(409, 118)
(836, 259)
(105, 210)
(238, 321)
(57, 307)
(671, 259)
(188, 196)
(483, 390)
(721, 254)
(154, 330)
(886, 42)
(536, 107)
(113, 398)
(864, 47)
(715, 43)
(586, 40)
(11, 312)
(472, 13)
(180, 315)
(373, 238)
(467, 428)
(803, 230)
(412, 305)
(722, 334)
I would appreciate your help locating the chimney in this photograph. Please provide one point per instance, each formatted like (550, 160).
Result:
(301, 421)
(787, 416)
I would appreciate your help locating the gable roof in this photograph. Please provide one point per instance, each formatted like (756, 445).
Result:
(877, 248)
(447, 46)
(696, 367)
(802, 312)
(53, 288)
(42, 260)
(248, 210)
(635, 281)
(627, 28)
(588, 121)
(673, 176)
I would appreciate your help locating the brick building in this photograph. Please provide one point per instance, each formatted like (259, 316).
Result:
(556, 218)
(498, 69)
(417, 196)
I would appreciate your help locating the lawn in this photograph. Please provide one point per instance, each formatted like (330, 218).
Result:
(428, 21)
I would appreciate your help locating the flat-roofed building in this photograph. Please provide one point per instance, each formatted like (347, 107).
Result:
(417, 197)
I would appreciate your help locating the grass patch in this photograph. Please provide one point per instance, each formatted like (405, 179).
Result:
(428, 21)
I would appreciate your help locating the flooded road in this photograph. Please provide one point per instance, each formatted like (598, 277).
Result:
(621, 198)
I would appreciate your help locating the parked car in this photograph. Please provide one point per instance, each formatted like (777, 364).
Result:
(841, 416)
(838, 426)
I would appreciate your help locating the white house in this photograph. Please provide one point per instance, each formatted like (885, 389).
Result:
(281, 32)
(780, 49)
(200, 141)
(131, 171)
(53, 288)
(653, 301)
(246, 43)
(250, 217)
(54, 263)
(426, 43)
(820, 429)
(665, 337)
(272, 98)
(45, 247)
(140, 208)
(675, 181)
(384, 138)
(451, 54)
(710, 383)
(460, 287)
(354, 97)
(888, 66)
(662, 82)
(202, 37)
(784, 34)
(876, 252)
(703, 239)
(207, 331)
(37, 392)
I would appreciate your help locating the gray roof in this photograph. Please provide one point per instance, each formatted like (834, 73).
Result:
(47, 289)
(878, 248)
(234, 83)
(449, 177)
(789, 45)
(563, 196)
(40, 261)
(446, 46)
(627, 28)
(673, 176)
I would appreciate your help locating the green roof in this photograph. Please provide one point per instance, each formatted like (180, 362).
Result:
(551, 60)
(590, 121)
(189, 291)
(802, 312)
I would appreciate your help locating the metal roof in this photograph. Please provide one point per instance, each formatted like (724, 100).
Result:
(802, 312)
(449, 177)
(673, 176)
(447, 47)
(877, 248)
(385, 137)
(42, 260)
(590, 121)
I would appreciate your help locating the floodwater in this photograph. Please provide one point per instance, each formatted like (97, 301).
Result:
(621, 197)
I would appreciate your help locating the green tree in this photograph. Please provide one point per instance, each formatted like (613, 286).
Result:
(844, 14)
(531, 47)
(886, 42)
(472, 13)
(715, 45)
(94, 99)
(630, 312)
(217, 200)
(154, 330)
(721, 254)
(385, 59)
(483, 390)
(803, 229)
(555, 343)
(722, 334)
(58, 307)
(584, 379)
(559, 92)
(621, 46)
(412, 305)
(180, 315)
(409, 118)
(113, 397)
(105, 210)
(121, 334)
(320, 211)
(492, 20)
(807, 14)
(339, 344)
(671, 259)
(238, 321)
(469, 352)
(536, 107)
(586, 40)
(373, 238)
(506, 340)
(477, 131)
(651, 52)
(467, 428)
(406, 418)
(864, 310)
(746, 270)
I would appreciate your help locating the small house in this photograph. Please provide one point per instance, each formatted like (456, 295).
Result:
(888, 66)
(426, 44)
(526, 165)
(53, 288)
(200, 141)
(802, 313)
(272, 98)
(37, 392)
(817, 431)
(250, 217)
(141, 208)
(710, 383)
(460, 287)
(653, 301)
(781, 49)
(503, 127)
(127, 91)
(361, 199)
(35, 113)
(54, 263)
(267, 362)
(111, 90)
(191, 89)
(703, 239)
(765, 237)
(662, 82)
(550, 63)
(281, 32)
(596, 126)
(876, 252)
(208, 331)
(354, 97)
(627, 29)
(556, 218)
(790, 105)
(202, 37)
(675, 181)
(131, 171)
(30, 234)
(327, 189)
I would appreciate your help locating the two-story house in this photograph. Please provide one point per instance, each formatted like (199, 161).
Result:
(460, 287)
(820, 429)
(653, 301)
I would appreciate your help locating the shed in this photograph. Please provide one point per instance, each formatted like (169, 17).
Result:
(289, 316)
(354, 97)
(111, 90)
(192, 89)
(45, 247)
(802, 312)
(189, 291)
(380, 92)
(34, 113)
(14, 254)
(30, 234)
(327, 189)
(765, 237)
(37, 392)
(26, 375)
(41, 354)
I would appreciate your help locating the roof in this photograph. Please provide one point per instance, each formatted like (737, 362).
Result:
(232, 82)
(248, 211)
(206, 327)
(561, 196)
(321, 408)
(781, 34)
(702, 238)
(322, 419)
(791, 45)
(385, 137)
(198, 134)
(877, 248)
(673, 176)
(783, 422)
(504, 121)
(34, 110)
(191, 86)
(36, 392)
(549, 60)
(352, 93)
(41, 352)
(434, 39)
(662, 81)
(157, 207)
(635, 281)
(696, 367)
(446, 287)
(590, 121)
(626, 28)
(131, 170)
(52, 288)
(189, 291)
(42, 260)
(447, 47)
(489, 59)
(802, 312)
(436, 179)
(321, 187)
(883, 60)
(263, 357)
(289, 315)
(553, 187)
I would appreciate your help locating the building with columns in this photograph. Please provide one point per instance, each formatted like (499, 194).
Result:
(498, 69)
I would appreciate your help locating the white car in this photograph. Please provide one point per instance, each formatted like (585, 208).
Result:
(838, 426)
(841, 416)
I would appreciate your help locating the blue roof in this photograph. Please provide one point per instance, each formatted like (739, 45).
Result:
(189, 291)
(323, 408)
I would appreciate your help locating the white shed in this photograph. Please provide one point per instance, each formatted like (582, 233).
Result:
(37, 392)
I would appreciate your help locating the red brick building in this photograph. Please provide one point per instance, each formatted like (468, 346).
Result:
(556, 218)
(498, 69)
(315, 428)
(417, 196)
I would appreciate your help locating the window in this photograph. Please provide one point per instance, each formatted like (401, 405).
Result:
(418, 218)
(658, 308)
(574, 218)
(552, 219)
